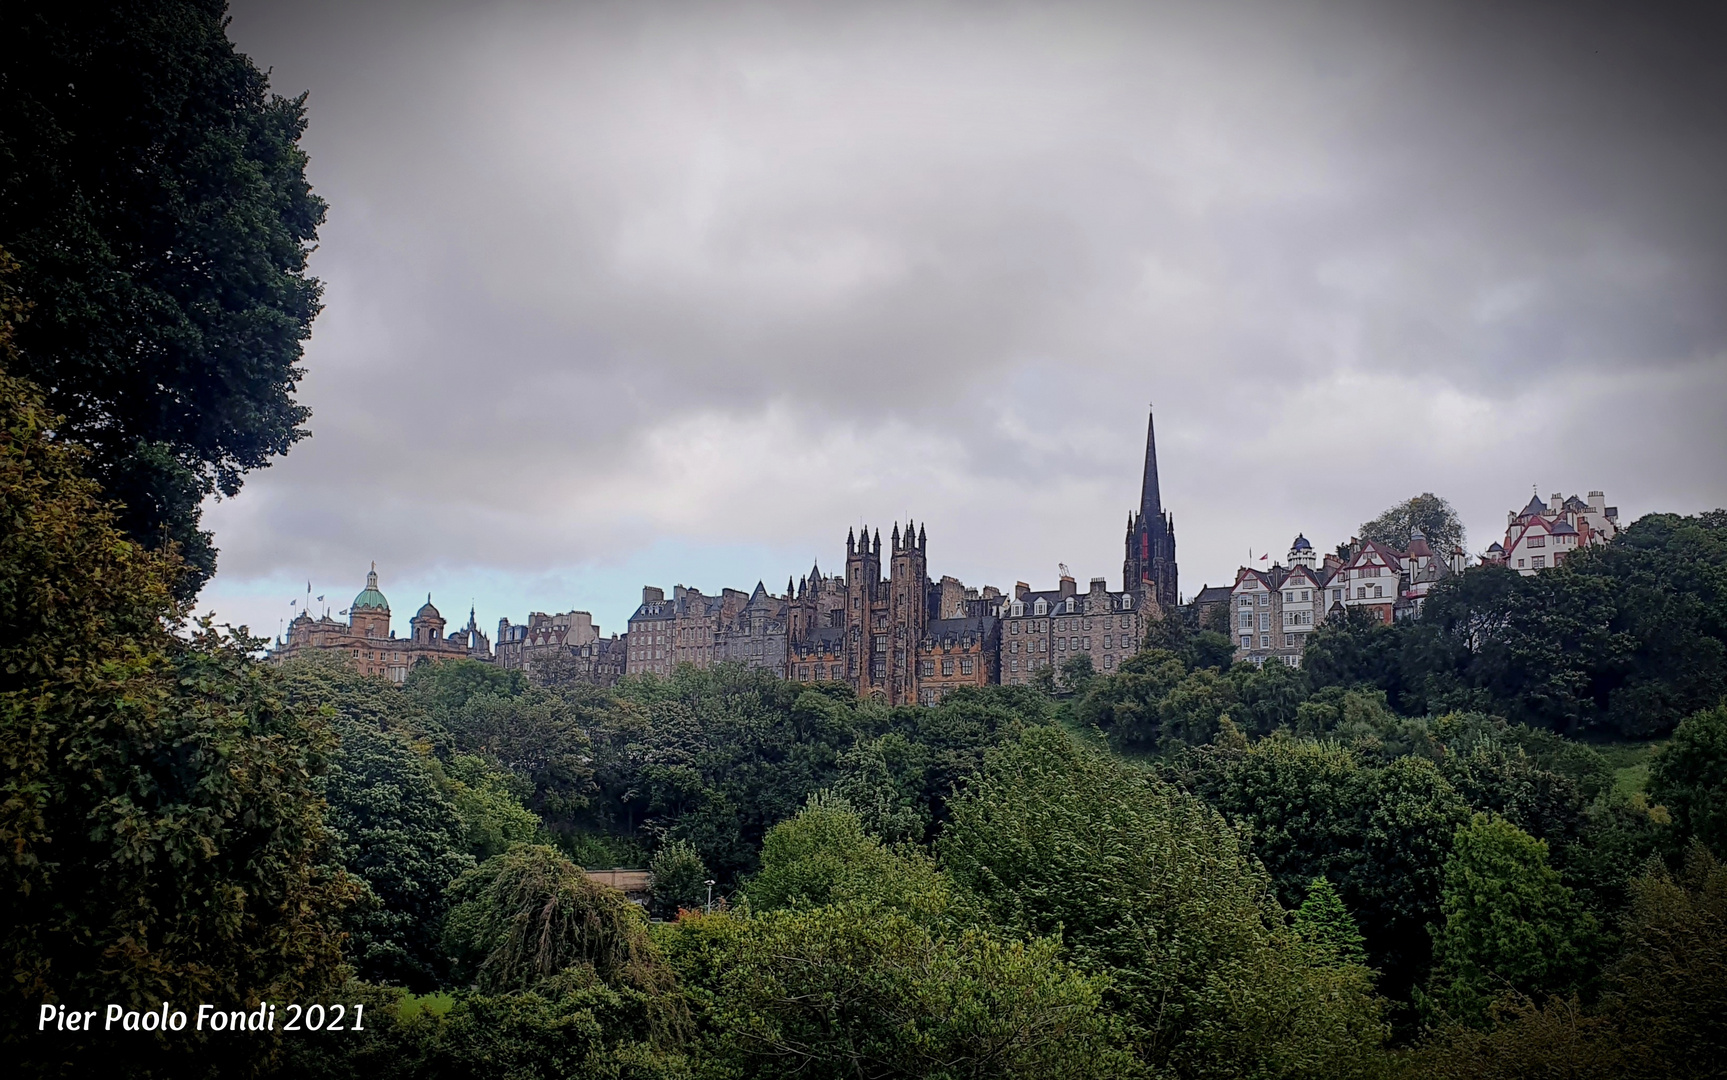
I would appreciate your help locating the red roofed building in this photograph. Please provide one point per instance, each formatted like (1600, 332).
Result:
(1540, 536)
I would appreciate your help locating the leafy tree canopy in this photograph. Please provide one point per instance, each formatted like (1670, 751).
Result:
(159, 802)
(1510, 925)
(1426, 513)
(154, 193)
(1151, 887)
(1689, 777)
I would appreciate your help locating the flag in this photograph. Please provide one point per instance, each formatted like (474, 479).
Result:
(293, 603)
(320, 599)
(1261, 559)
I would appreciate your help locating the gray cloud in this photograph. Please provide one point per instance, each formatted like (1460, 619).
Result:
(730, 276)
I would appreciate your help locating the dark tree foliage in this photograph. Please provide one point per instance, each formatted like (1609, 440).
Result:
(159, 803)
(1324, 923)
(1509, 925)
(395, 824)
(1662, 1014)
(538, 736)
(154, 193)
(590, 1032)
(1428, 513)
(1380, 833)
(1150, 886)
(1627, 637)
(1689, 778)
(529, 919)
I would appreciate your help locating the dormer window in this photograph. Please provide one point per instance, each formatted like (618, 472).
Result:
(1127, 601)
(1018, 608)
(1041, 607)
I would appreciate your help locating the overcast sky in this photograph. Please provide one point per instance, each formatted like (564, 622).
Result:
(638, 293)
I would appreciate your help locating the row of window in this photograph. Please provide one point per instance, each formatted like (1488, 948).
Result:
(1105, 622)
(966, 666)
(1289, 641)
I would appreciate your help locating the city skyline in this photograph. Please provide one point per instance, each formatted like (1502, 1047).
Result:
(615, 296)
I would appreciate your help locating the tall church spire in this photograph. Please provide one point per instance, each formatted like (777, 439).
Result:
(1150, 501)
(1150, 551)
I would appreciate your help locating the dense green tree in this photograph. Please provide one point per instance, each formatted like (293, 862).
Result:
(530, 920)
(1628, 637)
(1381, 833)
(1426, 513)
(488, 803)
(154, 193)
(1077, 674)
(1660, 1016)
(393, 817)
(442, 690)
(1510, 925)
(1491, 775)
(1689, 778)
(854, 990)
(159, 802)
(575, 1032)
(680, 879)
(1324, 923)
(823, 856)
(885, 781)
(537, 735)
(1151, 887)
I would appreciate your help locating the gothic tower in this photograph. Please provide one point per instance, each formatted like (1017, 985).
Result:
(1150, 564)
(863, 582)
(908, 612)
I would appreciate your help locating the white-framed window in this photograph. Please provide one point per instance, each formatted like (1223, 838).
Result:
(1041, 607)
(1537, 542)
(1247, 641)
(1109, 661)
(1247, 620)
(965, 665)
(1265, 641)
(1538, 562)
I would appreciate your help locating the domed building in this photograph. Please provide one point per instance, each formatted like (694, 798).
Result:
(367, 641)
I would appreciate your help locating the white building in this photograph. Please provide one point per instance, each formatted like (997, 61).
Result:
(1540, 536)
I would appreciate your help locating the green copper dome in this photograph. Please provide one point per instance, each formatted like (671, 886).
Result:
(370, 599)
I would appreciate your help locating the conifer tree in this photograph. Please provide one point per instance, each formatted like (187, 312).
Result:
(1323, 922)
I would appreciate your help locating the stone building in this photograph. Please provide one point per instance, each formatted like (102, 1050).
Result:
(700, 630)
(367, 641)
(562, 648)
(900, 639)
(756, 635)
(1043, 629)
(957, 652)
(542, 635)
(648, 644)
(1538, 536)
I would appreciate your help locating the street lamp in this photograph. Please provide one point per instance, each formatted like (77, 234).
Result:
(710, 884)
